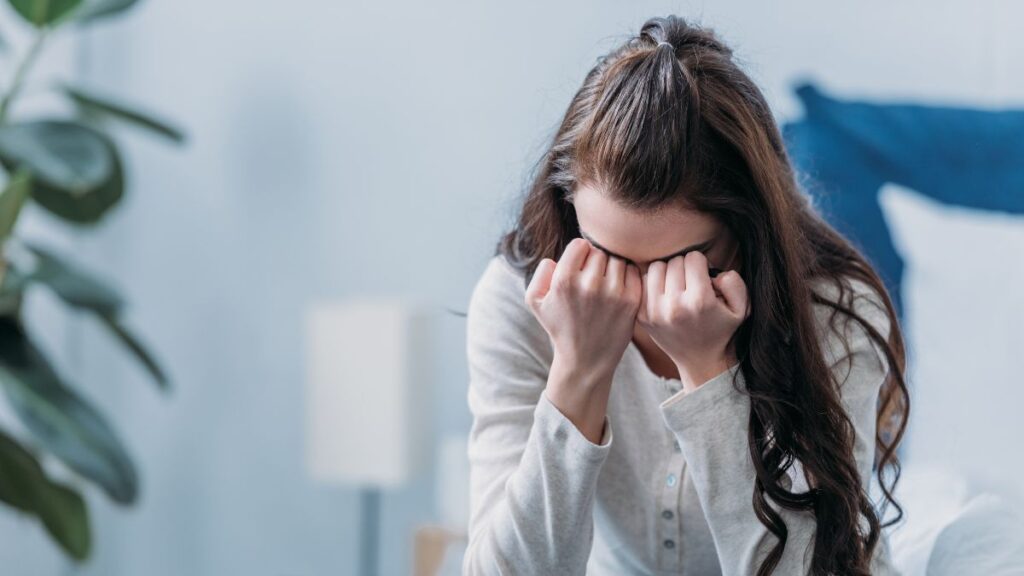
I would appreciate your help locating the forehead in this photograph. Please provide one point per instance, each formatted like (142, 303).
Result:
(641, 236)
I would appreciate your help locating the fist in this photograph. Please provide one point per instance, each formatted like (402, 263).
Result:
(691, 316)
(587, 302)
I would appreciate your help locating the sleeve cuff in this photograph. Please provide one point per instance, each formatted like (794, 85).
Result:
(707, 402)
(555, 427)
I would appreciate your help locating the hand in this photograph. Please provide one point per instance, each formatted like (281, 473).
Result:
(692, 317)
(587, 303)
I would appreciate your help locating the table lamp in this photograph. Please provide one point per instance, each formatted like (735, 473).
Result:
(367, 402)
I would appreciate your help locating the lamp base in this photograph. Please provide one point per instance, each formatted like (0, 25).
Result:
(369, 531)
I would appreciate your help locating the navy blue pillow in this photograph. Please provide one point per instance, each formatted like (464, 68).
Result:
(845, 150)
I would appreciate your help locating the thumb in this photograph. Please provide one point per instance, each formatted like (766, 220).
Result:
(641, 313)
(540, 283)
(734, 290)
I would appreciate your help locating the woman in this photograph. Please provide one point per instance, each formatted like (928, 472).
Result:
(676, 366)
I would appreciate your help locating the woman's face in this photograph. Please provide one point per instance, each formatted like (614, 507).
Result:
(646, 238)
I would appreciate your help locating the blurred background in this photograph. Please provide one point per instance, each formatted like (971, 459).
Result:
(310, 177)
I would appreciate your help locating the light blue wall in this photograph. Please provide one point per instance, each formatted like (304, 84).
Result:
(341, 148)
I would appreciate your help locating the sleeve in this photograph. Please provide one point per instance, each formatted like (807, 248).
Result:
(711, 424)
(533, 474)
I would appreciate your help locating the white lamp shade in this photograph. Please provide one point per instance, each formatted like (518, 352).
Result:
(367, 405)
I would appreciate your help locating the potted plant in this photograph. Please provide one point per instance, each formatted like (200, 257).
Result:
(71, 167)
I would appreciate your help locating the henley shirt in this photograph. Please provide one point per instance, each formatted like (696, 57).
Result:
(669, 488)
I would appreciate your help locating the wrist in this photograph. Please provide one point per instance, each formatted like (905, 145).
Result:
(587, 378)
(693, 376)
(589, 375)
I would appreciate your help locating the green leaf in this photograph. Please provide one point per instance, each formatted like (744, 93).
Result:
(11, 200)
(19, 475)
(93, 104)
(85, 291)
(64, 423)
(25, 486)
(41, 13)
(12, 286)
(90, 10)
(65, 516)
(71, 284)
(132, 343)
(77, 170)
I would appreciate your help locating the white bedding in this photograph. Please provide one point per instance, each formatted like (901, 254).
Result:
(947, 530)
(963, 465)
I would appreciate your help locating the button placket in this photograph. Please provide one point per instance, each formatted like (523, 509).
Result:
(669, 545)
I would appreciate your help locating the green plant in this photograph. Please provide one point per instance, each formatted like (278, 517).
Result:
(72, 168)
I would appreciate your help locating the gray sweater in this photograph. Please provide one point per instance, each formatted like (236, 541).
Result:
(667, 490)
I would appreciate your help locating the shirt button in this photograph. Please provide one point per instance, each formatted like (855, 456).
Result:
(671, 480)
(667, 514)
(669, 544)
(675, 445)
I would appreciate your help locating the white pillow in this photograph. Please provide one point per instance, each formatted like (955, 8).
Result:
(963, 293)
(986, 537)
(931, 498)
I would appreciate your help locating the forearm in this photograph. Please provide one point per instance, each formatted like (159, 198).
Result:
(581, 394)
(540, 521)
(711, 424)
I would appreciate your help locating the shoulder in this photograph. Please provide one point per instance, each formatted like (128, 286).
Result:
(498, 319)
(842, 335)
(499, 282)
(854, 293)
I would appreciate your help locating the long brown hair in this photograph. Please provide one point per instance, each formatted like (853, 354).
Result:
(656, 123)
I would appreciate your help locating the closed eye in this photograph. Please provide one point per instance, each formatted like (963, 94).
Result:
(712, 270)
(702, 247)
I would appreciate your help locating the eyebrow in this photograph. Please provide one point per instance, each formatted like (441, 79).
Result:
(703, 246)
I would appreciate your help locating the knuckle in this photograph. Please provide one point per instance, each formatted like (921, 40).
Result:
(669, 312)
(561, 284)
(588, 285)
(698, 298)
(699, 305)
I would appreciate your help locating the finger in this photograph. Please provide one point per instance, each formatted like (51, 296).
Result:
(654, 287)
(615, 274)
(540, 283)
(714, 285)
(675, 276)
(698, 282)
(734, 290)
(655, 279)
(572, 259)
(595, 265)
(641, 314)
(633, 285)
